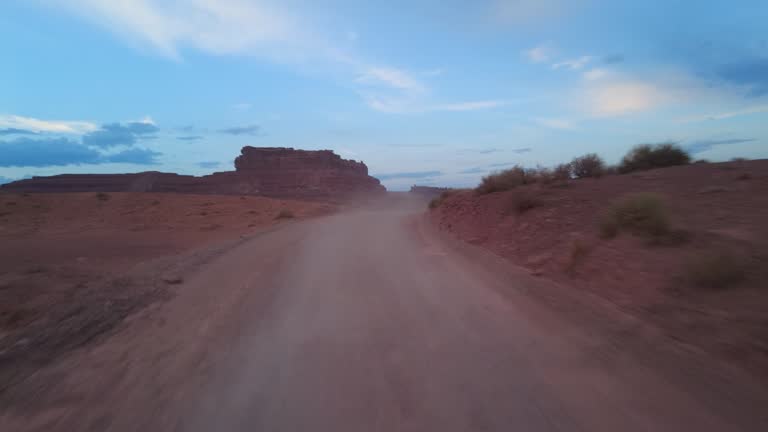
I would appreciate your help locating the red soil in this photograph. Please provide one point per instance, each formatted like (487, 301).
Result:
(73, 265)
(722, 207)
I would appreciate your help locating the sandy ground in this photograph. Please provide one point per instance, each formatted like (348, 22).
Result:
(722, 208)
(370, 320)
(68, 261)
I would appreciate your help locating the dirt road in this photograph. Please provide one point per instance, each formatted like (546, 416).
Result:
(367, 321)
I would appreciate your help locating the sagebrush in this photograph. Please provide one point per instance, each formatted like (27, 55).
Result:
(718, 270)
(589, 165)
(641, 213)
(650, 156)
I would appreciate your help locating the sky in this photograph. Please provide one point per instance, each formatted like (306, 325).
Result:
(424, 92)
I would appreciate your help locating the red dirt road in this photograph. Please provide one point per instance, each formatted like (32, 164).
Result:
(368, 321)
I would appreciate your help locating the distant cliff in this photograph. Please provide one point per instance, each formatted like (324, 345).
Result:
(268, 171)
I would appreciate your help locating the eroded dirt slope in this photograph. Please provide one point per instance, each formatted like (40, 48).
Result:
(722, 210)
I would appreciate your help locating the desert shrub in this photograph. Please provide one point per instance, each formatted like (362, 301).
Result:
(715, 270)
(701, 161)
(541, 175)
(641, 213)
(562, 172)
(102, 196)
(589, 165)
(503, 180)
(650, 156)
(438, 200)
(285, 214)
(739, 159)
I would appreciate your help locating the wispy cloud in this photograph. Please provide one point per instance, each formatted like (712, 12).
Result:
(538, 54)
(701, 146)
(474, 170)
(573, 64)
(209, 164)
(391, 77)
(32, 152)
(408, 175)
(252, 130)
(625, 97)
(555, 123)
(52, 126)
(15, 131)
(190, 137)
(522, 150)
(120, 134)
(595, 74)
(135, 156)
(467, 106)
(266, 29)
(395, 105)
(222, 27)
(726, 114)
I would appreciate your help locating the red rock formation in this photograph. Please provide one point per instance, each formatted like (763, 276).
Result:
(267, 171)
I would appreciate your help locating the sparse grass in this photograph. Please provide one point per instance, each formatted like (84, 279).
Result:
(641, 214)
(285, 214)
(650, 156)
(589, 165)
(562, 172)
(155, 202)
(518, 176)
(715, 271)
(438, 200)
(502, 180)
(540, 174)
(103, 196)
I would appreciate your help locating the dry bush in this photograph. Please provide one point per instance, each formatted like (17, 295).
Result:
(562, 172)
(285, 214)
(103, 196)
(701, 161)
(502, 180)
(650, 156)
(715, 270)
(539, 175)
(641, 213)
(438, 200)
(589, 165)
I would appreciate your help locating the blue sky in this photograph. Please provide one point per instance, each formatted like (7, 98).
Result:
(425, 92)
